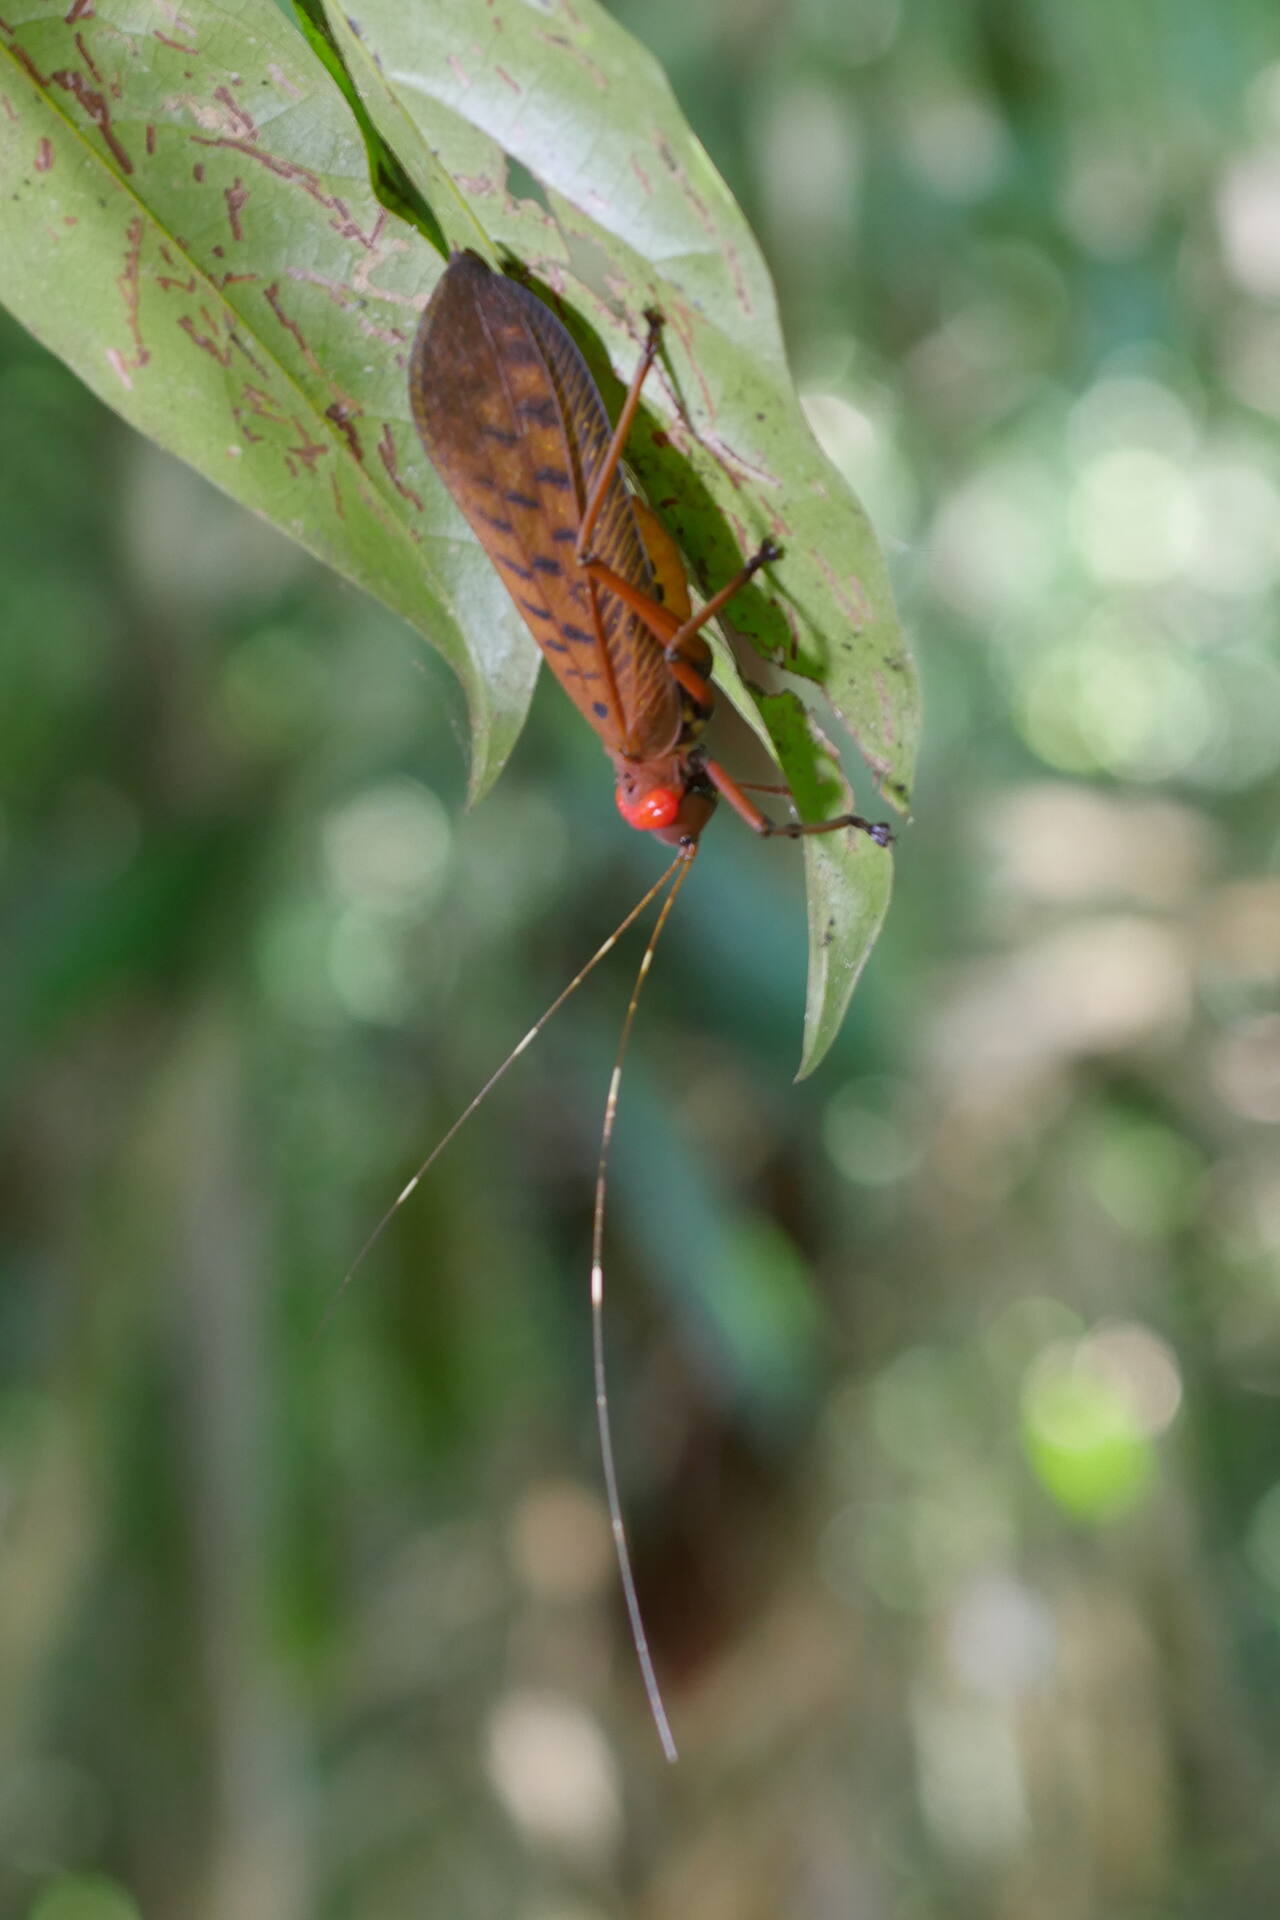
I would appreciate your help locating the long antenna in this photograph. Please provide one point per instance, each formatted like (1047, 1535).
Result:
(412, 1185)
(640, 1640)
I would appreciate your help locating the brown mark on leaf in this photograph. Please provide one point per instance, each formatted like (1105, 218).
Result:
(238, 120)
(342, 221)
(171, 282)
(737, 468)
(206, 341)
(281, 79)
(851, 599)
(271, 295)
(87, 57)
(44, 155)
(387, 454)
(78, 10)
(235, 197)
(680, 322)
(343, 413)
(339, 506)
(702, 214)
(344, 297)
(125, 365)
(262, 405)
(888, 722)
(25, 61)
(197, 173)
(246, 431)
(95, 108)
(308, 451)
(178, 46)
(507, 81)
(383, 246)
(464, 78)
(640, 174)
(578, 55)
(212, 116)
(151, 138)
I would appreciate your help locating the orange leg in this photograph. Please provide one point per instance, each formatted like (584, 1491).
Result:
(613, 453)
(760, 823)
(661, 623)
(675, 635)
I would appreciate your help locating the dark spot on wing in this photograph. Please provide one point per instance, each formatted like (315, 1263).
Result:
(514, 498)
(546, 563)
(503, 435)
(514, 566)
(565, 533)
(543, 411)
(599, 709)
(494, 520)
(551, 477)
(534, 611)
(575, 633)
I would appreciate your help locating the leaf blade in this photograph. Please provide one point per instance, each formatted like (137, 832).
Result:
(188, 225)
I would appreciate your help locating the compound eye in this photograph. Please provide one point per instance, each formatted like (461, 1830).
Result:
(653, 810)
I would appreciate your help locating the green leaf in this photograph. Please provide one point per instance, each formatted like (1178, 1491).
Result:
(565, 148)
(186, 219)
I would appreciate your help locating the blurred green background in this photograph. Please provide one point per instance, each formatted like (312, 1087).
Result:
(946, 1383)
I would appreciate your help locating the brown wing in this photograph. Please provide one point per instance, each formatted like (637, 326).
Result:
(512, 421)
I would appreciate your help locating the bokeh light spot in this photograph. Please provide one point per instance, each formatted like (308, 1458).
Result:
(1135, 516)
(1081, 1436)
(85, 1897)
(560, 1541)
(550, 1766)
(389, 847)
(1146, 1176)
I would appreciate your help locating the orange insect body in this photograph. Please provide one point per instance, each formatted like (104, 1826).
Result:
(514, 424)
(512, 421)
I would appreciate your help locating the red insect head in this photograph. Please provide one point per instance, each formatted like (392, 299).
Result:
(649, 812)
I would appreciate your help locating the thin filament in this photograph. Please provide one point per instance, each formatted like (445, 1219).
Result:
(412, 1185)
(640, 1640)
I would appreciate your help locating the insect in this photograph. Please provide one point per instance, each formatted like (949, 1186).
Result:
(511, 419)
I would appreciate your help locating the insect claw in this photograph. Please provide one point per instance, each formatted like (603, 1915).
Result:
(878, 830)
(765, 554)
(656, 323)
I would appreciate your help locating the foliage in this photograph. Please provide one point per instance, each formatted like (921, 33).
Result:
(215, 180)
(946, 1380)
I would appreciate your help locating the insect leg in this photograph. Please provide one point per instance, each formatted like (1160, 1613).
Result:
(760, 823)
(677, 642)
(662, 624)
(613, 453)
